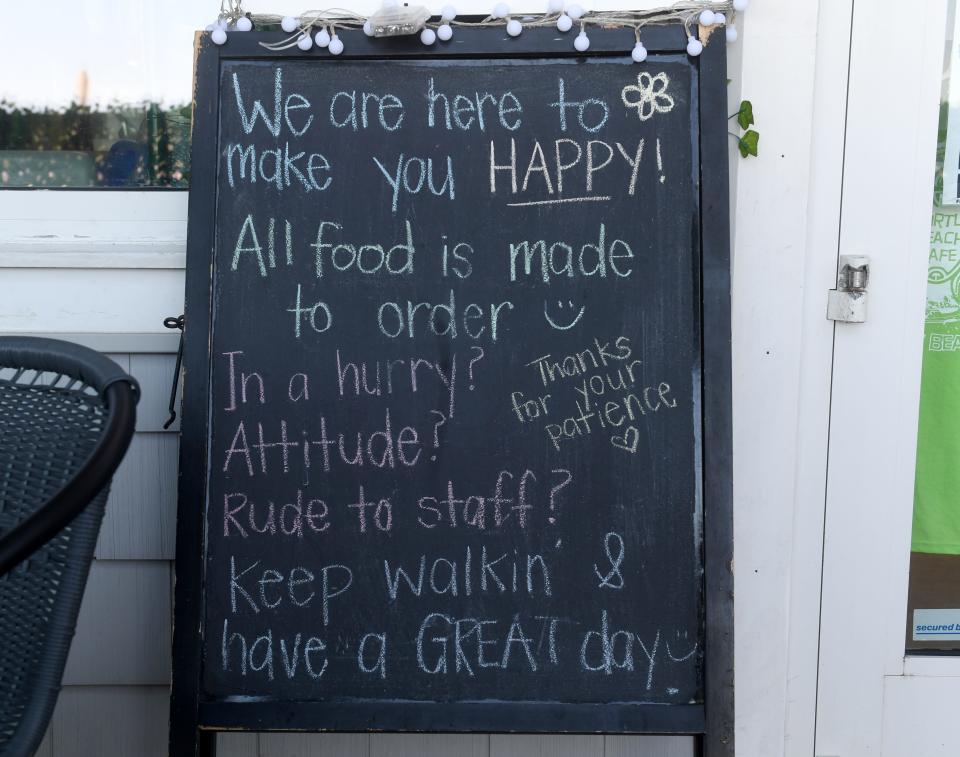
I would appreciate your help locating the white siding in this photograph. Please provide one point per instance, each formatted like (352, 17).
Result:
(546, 746)
(108, 721)
(123, 632)
(140, 522)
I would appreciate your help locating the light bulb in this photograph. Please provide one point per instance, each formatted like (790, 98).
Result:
(288, 24)
(219, 36)
(444, 32)
(555, 6)
(323, 37)
(244, 24)
(639, 53)
(514, 27)
(428, 36)
(336, 46)
(694, 46)
(582, 42)
(732, 33)
(368, 27)
(305, 42)
(707, 18)
(501, 10)
(575, 11)
(564, 23)
(740, 5)
(448, 13)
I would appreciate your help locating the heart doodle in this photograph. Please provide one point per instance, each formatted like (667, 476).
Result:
(629, 440)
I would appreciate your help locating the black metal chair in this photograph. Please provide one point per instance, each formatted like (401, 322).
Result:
(67, 415)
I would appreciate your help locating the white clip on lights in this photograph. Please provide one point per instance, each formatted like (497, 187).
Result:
(447, 14)
(639, 52)
(395, 20)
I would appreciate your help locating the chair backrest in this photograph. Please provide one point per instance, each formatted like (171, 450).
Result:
(66, 418)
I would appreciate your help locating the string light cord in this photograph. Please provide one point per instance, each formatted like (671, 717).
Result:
(320, 26)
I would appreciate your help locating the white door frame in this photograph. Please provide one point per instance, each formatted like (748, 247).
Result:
(891, 129)
(787, 219)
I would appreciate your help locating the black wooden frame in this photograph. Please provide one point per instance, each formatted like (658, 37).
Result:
(193, 720)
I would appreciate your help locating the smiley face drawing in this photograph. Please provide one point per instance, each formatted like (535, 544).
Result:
(563, 316)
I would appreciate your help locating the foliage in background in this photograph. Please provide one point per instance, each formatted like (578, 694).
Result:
(941, 154)
(123, 145)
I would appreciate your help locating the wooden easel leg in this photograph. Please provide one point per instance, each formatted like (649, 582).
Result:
(186, 740)
(207, 744)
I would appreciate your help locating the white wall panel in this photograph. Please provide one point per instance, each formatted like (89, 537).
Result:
(314, 745)
(91, 300)
(109, 721)
(140, 521)
(546, 746)
(123, 632)
(434, 745)
(931, 729)
(238, 745)
(649, 746)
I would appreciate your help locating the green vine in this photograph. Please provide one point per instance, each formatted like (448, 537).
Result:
(121, 144)
(749, 141)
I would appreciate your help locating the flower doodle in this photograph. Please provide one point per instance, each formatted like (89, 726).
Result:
(649, 95)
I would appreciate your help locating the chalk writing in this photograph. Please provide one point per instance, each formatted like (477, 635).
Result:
(453, 397)
(614, 578)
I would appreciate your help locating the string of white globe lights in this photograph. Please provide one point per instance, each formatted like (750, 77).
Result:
(393, 19)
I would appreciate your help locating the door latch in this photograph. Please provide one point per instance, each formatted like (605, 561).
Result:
(848, 302)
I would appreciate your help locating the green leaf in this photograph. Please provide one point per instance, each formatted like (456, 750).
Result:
(748, 143)
(745, 114)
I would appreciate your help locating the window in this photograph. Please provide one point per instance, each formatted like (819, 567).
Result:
(933, 622)
(101, 100)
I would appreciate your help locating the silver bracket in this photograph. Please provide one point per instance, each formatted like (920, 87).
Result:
(848, 302)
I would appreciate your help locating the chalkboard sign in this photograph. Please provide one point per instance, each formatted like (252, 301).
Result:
(456, 433)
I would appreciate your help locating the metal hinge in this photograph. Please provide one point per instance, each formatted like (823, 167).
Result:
(848, 302)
